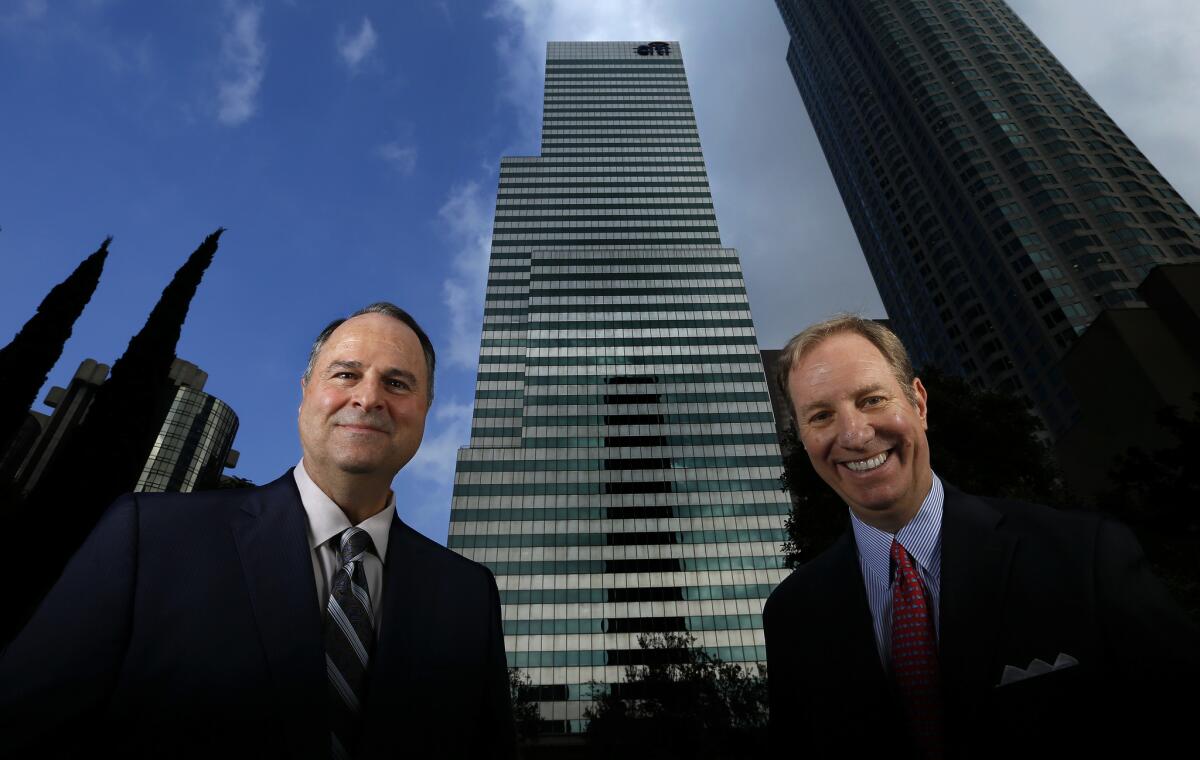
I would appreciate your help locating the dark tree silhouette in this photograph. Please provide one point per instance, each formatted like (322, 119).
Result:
(105, 456)
(524, 706)
(684, 703)
(980, 441)
(1156, 494)
(25, 363)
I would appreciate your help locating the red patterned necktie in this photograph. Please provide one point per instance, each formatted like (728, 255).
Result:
(914, 655)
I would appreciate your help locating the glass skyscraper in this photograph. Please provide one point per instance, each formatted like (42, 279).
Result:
(998, 206)
(622, 476)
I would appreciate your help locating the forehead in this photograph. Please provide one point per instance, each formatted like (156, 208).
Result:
(840, 364)
(371, 333)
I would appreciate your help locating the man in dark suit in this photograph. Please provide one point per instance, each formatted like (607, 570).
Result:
(948, 625)
(302, 619)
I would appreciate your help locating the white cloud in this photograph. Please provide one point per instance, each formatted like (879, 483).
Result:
(448, 428)
(355, 48)
(467, 216)
(532, 23)
(775, 196)
(425, 487)
(243, 61)
(402, 157)
(773, 191)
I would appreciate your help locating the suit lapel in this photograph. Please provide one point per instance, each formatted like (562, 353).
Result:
(976, 563)
(404, 607)
(853, 626)
(271, 533)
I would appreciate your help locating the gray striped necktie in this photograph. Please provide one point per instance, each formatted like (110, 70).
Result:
(349, 636)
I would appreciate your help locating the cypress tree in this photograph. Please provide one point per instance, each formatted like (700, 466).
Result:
(107, 453)
(25, 363)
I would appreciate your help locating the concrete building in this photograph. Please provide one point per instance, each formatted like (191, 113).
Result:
(998, 206)
(1132, 363)
(193, 446)
(622, 476)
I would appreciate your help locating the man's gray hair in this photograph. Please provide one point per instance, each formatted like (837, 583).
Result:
(387, 309)
(881, 337)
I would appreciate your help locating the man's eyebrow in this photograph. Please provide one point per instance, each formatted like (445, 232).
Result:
(400, 373)
(343, 364)
(858, 392)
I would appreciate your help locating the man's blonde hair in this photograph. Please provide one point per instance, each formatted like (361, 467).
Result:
(881, 337)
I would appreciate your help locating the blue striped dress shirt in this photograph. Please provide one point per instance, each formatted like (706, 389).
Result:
(922, 539)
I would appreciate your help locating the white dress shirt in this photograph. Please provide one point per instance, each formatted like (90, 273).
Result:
(326, 521)
(922, 539)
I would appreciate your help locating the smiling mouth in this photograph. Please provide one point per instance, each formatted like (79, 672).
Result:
(361, 428)
(866, 465)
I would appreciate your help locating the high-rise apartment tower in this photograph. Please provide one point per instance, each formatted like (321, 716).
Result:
(998, 206)
(622, 477)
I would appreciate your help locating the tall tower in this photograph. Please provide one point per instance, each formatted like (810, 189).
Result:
(998, 206)
(622, 476)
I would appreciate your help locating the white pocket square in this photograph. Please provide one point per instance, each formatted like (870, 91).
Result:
(1038, 667)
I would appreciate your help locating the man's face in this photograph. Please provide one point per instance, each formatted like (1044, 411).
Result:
(363, 409)
(862, 434)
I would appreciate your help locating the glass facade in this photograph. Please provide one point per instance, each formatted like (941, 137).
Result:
(998, 206)
(192, 444)
(622, 476)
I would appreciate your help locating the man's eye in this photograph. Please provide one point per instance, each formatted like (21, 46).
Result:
(818, 417)
(402, 385)
(873, 400)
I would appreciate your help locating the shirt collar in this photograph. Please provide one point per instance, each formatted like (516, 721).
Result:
(326, 520)
(921, 537)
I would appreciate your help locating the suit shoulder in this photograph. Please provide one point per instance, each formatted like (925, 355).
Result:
(445, 559)
(1039, 518)
(188, 511)
(808, 579)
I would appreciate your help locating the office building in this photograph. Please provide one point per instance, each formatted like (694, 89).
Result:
(192, 448)
(622, 475)
(999, 208)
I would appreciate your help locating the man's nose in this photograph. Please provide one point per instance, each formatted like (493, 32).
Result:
(856, 430)
(367, 395)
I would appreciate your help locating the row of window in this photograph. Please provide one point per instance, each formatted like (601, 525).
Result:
(614, 566)
(657, 512)
(598, 657)
(627, 595)
(707, 305)
(562, 420)
(563, 626)
(664, 378)
(616, 487)
(642, 538)
(561, 399)
(588, 241)
(616, 361)
(652, 463)
(642, 441)
(672, 340)
(622, 324)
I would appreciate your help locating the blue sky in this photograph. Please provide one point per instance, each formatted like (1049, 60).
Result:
(351, 151)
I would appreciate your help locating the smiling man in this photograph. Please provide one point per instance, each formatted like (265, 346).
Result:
(948, 625)
(302, 619)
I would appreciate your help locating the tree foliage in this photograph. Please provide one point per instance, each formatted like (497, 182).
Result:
(524, 706)
(683, 703)
(106, 454)
(980, 441)
(25, 363)
(1156, 494)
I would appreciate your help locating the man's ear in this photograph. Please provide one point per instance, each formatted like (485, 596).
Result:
(921, 401)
